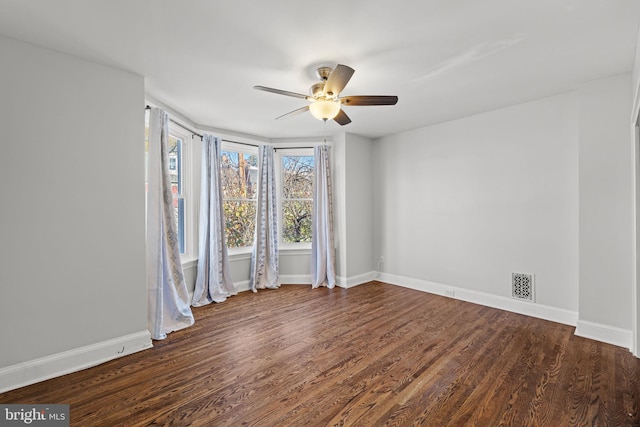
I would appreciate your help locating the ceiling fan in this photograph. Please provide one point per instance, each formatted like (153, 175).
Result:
(326, 102)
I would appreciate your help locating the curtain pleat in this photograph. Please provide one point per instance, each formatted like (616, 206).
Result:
(323, 260)
(168, 306)
(264, 260)
(213, 280)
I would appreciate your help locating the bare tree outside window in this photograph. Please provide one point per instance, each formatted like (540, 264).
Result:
(239, 172)
(297, 198)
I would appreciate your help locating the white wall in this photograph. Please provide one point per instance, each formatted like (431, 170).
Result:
(295, 266)
(359, 206)
(353, 205)
(545, 187)
(606, 203)
(339, 158)
(72, 224)
(465, 203)
(635, 91)
(635, 121)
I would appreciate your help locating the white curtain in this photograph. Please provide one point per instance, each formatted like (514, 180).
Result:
(213, 281)
(168, 306)
(264, 261)
(323, 257)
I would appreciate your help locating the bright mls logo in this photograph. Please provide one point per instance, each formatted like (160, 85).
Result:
(36, 415)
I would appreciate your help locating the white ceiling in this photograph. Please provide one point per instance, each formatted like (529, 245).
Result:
(444, 59)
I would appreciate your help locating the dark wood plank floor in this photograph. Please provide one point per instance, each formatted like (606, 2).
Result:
(372, 355)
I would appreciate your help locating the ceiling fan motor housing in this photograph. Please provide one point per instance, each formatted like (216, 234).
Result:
(317, 90)
(323, 73)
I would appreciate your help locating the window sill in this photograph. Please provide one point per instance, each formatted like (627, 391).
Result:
(239, 254)
(189, 262)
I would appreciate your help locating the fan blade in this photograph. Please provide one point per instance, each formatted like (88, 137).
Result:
(294, 112)
(369, 100)
(337, 80)
(281, 92)
(342, 118)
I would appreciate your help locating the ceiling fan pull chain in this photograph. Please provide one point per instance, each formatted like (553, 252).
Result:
(325, 132)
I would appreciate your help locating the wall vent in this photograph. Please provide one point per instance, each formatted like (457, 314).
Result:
(522, 286)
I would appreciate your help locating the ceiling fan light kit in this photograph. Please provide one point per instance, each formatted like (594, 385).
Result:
(326, 103)
(324, 110)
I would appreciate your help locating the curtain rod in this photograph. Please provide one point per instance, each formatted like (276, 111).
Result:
(228, 140)
(179, 124)
(274, 148)
(292, 148)
(185, 128)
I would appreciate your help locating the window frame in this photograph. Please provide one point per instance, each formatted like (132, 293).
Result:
(187, 188)
(186, 192)
(303, 247)
(247, 149)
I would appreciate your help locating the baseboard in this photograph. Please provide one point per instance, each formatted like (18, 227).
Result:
(295, 279)
(55, 365)
(540, 311)
(343, 282)
(305, 279)
(241, 286)
(350, 282)
(609, 334)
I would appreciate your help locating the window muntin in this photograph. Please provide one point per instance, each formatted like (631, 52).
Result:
(239, 174)
(296, 171)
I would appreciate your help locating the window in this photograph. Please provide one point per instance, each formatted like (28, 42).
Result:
(296, 181)
(176, 147)
(239, 174)
(180, 182)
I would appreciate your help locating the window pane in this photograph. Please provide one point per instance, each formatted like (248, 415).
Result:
(179, 204)
(296, 218)
(297, 198)
(175, 175)
(240, 222)
(297, 176)
(239, 173)
(175, 146)
(175, 164)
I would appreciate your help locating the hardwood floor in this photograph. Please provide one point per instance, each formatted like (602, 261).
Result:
(372, 355)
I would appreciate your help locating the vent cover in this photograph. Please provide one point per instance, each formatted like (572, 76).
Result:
(522, 286)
